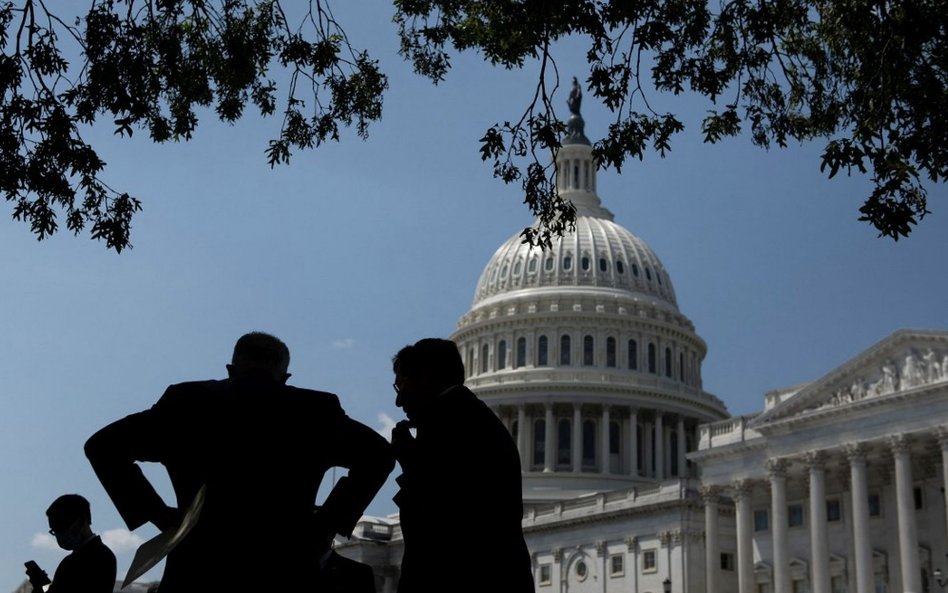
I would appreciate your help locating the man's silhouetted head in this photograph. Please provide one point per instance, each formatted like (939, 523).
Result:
(423, 370)
(70, 519)
(258, 353)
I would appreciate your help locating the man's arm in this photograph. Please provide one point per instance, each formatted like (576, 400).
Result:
(369, 459)
(113, 452)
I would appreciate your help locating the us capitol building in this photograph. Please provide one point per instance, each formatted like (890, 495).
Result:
(637, 480)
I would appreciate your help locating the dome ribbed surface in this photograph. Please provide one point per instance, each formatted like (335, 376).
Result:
(599, 253)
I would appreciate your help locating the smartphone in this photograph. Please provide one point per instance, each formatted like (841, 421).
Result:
(38, 577)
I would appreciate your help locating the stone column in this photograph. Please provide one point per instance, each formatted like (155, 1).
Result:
(743, 490)
(856, 453)
(942, 435)
(632, 564)
(648, 465)
(633, 442)
(819, 544)
(558, 564)
(604, 440)
(682, 443)
(522, 437)
(659, 447)
(905, 503)
(549, 462)
(577, 435)
(603, 554)
(777, 468)
(712, 551)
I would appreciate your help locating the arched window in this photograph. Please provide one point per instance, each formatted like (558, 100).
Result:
(521, 352)
(518, 265)
(484, 353)
(673, 437)
(652, 362)
(542, 351)
(502, 355)
(668, 362)
(589, 443)
(564, 442)
(568, 263)
(503, 271)
(658, 276)
(635, 270)
(611, 352)
(619, 267)
(564, 351)
(681, 366)
(648, 275)
(602, 264)
(585, 263)
(532, 266)
(576, 175)
(633, 355)
(549, 264)
(539, 442)
(588, 353)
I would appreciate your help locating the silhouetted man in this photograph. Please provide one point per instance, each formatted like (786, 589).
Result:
(460, 496)
(90, 565)
(261, 448)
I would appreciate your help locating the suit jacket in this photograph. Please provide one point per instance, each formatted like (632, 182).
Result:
(90, 568)
(344, 575)
(261, 448)
(461, 497)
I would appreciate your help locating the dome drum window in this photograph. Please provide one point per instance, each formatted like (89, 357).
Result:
(564, 351)
(603, 265)
(585, 263)
(588, 351)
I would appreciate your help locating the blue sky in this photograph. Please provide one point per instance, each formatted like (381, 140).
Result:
(358, 248)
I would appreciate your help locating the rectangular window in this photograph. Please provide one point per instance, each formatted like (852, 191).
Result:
(616, 565)
(761, 520)
(875, 505)
(837, 584)
(648, 561)
(834, 511)
(795, 515)
(727, 561)
(799, 586)
(545, 574)
(919, 501)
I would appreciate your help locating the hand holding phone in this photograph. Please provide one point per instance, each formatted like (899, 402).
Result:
(38, 577)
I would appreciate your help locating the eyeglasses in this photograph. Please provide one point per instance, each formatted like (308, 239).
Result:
(395, 387)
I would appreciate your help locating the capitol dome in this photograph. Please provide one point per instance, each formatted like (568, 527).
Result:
(599, 254)
(582, 351)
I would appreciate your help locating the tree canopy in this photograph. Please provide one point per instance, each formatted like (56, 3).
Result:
(866, 77)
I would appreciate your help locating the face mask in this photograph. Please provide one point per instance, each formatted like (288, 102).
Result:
(68, 540)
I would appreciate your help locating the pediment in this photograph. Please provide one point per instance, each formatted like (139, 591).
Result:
(904, 361)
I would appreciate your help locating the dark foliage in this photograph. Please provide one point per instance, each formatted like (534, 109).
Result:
(868, 78)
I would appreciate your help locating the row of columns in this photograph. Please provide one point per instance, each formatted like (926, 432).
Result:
(819, 544)
(524, 448)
